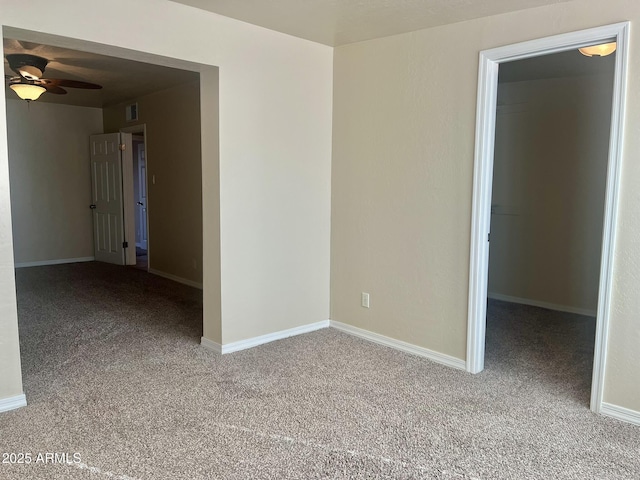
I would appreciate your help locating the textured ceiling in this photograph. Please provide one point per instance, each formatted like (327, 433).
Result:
(122, 80)
(338, 22)
(342, 20)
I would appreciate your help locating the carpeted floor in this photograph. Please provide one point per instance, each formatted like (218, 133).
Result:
(113, 371)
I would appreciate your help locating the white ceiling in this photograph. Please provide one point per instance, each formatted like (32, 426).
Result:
(338, 22)
(330, 21)
(122, 80)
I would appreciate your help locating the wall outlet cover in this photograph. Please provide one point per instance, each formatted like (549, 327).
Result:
(365, 300)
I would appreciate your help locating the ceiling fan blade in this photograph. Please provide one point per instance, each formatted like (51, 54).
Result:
(63, 82)
(27, 45)
(54, 89)
(48, 87)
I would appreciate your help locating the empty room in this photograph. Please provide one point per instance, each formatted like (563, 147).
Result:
(344, 202)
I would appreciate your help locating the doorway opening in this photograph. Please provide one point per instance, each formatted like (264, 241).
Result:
(206, 106)
(490, 61)
(553, 118)
(138, 204)
(140, 197)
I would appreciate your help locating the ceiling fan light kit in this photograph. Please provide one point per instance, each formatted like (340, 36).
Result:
(26, 91)
(30, 72)
(29, 84)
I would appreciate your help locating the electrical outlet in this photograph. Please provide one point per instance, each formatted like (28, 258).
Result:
(365, 300)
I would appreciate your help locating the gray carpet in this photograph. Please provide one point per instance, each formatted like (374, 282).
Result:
(113, 371)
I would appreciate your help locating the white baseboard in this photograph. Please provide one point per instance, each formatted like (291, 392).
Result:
(620, 413)
(54, 262)
(536, 303)
(271, 337)
(400, 345)
(358, 332)
(184, 281)
(12, 403)
(211, 345)
(262, 339)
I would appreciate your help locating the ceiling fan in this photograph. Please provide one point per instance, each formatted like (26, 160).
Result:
(29, 84)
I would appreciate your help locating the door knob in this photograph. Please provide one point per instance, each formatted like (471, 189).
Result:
(92, 207)
(140, 203)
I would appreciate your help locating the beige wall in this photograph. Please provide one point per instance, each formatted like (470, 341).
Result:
(10, 373)
(172, 119)
(211, 277)
(268, 269)
(550, 167)
(51, 179)
(404, 123)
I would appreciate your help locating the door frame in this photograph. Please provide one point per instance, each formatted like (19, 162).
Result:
(140, 129)
(483, 178)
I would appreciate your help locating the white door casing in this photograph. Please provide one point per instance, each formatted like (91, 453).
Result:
(482, 186)
(107, 201)
(129, 213)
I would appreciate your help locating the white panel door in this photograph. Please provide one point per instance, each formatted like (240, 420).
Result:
(107, 203)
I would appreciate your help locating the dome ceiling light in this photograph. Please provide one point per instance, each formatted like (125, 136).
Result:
(601, 50)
